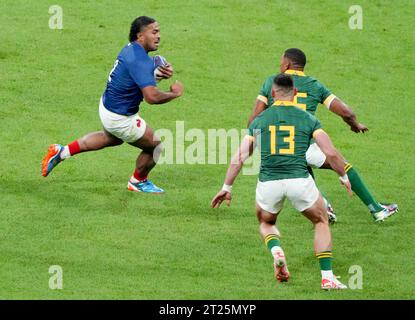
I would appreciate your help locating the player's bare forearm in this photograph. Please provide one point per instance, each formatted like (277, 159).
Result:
(350, 119)
(244, 151)
(153, 95)
(336, 162)
(258, 108)
(346, 113)
(232, 173)
(238, 159)
(333, 157)
(237, 162)
(162, 97)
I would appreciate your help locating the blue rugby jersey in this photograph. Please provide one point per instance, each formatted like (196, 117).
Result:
(133, 70)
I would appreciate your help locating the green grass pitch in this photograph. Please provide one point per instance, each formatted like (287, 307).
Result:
(114, 244)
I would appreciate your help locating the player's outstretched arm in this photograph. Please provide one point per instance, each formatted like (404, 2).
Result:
(237, 161)
(258, 108)
(152, 94)
(334, 158)
(338, 107)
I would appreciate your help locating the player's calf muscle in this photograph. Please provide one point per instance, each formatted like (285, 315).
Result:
(97, 140)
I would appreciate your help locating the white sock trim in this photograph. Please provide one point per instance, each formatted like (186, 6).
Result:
(133, 179)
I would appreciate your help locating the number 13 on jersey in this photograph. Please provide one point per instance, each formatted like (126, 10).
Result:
(289, 140)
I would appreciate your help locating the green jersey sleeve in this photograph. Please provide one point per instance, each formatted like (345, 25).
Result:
(265, 92)
(252, 127)
(325, 95)
(315, 126)
(255, 128)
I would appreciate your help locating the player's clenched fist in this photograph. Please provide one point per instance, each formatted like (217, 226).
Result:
(177, 88)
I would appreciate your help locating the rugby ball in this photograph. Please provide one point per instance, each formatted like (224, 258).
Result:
(159, 61)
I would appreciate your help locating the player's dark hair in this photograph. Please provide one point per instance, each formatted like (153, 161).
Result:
(284, 82)
(138, 25)
(296, 56)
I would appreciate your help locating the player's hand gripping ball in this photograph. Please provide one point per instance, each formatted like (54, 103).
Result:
(162, 69)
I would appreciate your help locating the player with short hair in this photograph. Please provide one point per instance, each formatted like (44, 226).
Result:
(130, 81)
(282, 134)
(310, 94)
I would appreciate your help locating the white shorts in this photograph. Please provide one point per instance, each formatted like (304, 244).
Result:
(302, 193)
(315, 157)
(126, 128)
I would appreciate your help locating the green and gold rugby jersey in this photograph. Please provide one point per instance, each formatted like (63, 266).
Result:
(283, 133)
(310, 92)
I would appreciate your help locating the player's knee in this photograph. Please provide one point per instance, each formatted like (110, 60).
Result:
(115, 142)
(265, 217)
(153, 144)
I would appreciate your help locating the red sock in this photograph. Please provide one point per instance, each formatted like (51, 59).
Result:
(138, 176)
(74, 148)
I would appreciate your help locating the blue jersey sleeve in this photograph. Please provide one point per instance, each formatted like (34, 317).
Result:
(142, 73)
